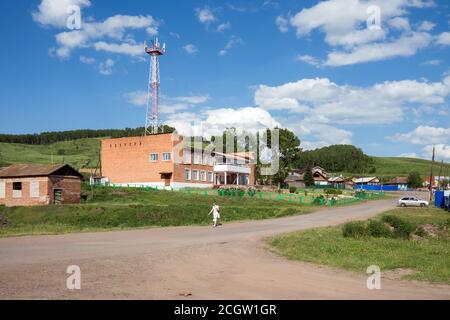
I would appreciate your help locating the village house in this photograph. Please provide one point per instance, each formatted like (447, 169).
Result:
(366, 181)
(400, 182)
(296, 177)
(167, 160)
(37, 184)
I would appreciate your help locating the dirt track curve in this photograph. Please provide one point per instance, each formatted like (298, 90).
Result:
(229, 262)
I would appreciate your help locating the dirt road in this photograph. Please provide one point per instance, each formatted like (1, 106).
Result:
(229, 262)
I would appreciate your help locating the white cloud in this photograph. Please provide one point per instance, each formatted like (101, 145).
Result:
(106, 67)
(443, 39)
(233, 42)
(87, 60)
(426, 26)
(205, 15)
(224, 26)
(433, 62)
(442, 151)
(402, 47)
(344, 24)
(54, 12)
(308, 59)
(282, 24)
(326, 102)
(408, 155)
(122, 48)
(190, 49)
(424, 135)
(93, 34)
(168, 105)
(213, 122)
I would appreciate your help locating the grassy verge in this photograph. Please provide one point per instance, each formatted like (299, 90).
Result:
(428, 257)
(113, 209)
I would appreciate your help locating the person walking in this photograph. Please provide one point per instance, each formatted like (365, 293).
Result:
(216, 214)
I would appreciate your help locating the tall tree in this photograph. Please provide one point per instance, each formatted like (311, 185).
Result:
(308, 178)
(288, 153)
(415, 180)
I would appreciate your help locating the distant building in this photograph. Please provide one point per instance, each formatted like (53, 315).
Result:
(436, 180)
(371, 181)
(167, 160)
(296, 177)
(400, 182)
(37, 184)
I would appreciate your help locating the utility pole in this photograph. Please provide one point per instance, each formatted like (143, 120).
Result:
(440, 174)
(431, 176)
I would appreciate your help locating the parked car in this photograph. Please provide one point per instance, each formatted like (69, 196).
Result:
(412, 202)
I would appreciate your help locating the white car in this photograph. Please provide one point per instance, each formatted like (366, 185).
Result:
(412, 202)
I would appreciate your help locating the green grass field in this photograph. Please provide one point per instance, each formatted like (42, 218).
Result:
(429, 259)
(123, 208)
(78, 152)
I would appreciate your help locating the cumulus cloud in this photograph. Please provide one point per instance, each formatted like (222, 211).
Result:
(87, 60)
(223, 26)
(308, 59)
(443, 39)
(205, 15)
(110, 35)
(54, 12)
(442, 151)
(190, 49)
(424, 135)
(344, 24)
(213, 122)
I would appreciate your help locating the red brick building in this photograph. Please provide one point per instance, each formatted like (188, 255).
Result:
(36, 184)
(165, 160)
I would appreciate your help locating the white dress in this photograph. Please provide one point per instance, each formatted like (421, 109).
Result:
(216, 214)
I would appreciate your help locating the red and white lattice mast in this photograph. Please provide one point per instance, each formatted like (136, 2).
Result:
(151, 119)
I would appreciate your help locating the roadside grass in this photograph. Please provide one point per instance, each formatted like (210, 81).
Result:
(429, 259)
(120, 208)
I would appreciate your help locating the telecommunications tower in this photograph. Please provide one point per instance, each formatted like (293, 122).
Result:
(151, 118)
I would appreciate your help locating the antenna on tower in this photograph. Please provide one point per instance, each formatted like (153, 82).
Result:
(151, 118)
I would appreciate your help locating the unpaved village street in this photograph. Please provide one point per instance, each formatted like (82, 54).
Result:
(230, 262)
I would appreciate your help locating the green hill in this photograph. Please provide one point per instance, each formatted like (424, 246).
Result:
(393, 166)
(78, 152)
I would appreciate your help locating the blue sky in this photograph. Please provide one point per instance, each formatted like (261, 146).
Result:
(312, 66)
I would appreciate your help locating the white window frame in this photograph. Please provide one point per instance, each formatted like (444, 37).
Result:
(210, 177)
(165, 154)
(204, 160)
(35, 186)
(211, 161)
(187, 174)
(197, 157)
(2, 190)
(195, 175)
(151, 157)
(17, 194)
(203, 176)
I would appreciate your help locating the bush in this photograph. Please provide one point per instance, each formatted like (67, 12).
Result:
(292, 189)
(378, 229)
(333, 191)
(319, 200)
(355, 229)
(251, 192)
(402, 229)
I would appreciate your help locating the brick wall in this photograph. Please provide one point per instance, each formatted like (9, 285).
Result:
(70, 187)
(25, 199)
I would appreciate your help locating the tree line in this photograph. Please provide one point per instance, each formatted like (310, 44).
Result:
(59, 136)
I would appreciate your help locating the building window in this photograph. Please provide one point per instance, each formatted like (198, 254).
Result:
(203, 175)
(210, 177)
(211, 161)
(2, 190)
(187, 157)
(204, 160)
(195, 175)
(17, 189)
(166, 156)
(187, 174)
(34, 189)
(153, 157)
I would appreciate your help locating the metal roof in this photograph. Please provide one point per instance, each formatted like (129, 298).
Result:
(35, 170)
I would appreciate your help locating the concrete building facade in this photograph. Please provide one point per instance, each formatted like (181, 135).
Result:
(166, 160)
(34, 184)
